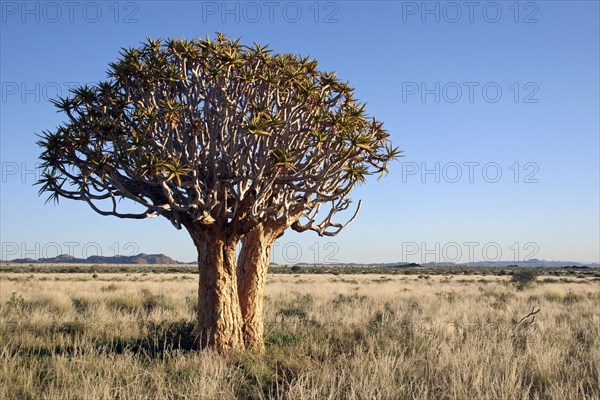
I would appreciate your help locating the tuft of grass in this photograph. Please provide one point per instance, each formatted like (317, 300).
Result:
(571, 298)
(109, 288)
(126, 303)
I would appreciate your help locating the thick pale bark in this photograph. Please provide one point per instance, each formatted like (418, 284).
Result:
(252, 274)
(219, 315)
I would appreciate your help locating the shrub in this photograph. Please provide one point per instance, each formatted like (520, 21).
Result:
(16, 301)
(523, 278)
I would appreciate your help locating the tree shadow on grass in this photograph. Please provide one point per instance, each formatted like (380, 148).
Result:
(161, 338)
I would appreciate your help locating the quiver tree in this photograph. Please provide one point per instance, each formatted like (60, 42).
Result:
(233, 143)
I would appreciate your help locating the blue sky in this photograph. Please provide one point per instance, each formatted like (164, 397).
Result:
(496, 105)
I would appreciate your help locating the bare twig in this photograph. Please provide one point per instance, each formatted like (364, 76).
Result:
(531, 315)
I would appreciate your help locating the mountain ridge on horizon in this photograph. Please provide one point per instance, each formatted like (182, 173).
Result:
(143, 258)
(140, 258)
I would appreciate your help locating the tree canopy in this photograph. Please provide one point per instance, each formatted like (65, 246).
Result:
(213, 132)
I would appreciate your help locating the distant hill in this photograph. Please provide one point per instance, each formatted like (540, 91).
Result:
(528, 263)
(163, 259)
(68, 259)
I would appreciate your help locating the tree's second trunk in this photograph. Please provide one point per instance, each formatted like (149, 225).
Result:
(219, 316)
(252, 275)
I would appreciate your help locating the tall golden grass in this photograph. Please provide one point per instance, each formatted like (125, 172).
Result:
(126, 336)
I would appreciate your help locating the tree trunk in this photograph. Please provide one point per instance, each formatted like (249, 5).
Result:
(252, 274)
(219, 315)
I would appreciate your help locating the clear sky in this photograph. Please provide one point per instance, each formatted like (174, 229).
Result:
(496, 105)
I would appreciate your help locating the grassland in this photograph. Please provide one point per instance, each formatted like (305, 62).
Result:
(423, 334)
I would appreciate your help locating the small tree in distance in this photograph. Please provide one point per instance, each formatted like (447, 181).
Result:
(231, 142)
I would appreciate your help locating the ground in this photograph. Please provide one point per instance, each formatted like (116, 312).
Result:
(119, 332)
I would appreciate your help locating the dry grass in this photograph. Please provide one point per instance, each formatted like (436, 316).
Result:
(73, 336)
